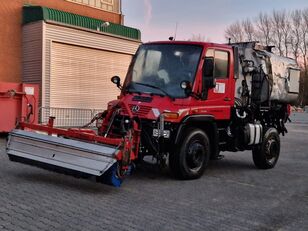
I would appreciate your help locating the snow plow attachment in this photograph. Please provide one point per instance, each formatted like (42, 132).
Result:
(88, 158)
(67, 156)
(77, 151)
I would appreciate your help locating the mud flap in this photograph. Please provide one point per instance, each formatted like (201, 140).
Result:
(61, 153)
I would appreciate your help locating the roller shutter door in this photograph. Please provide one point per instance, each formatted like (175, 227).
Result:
(80, 76)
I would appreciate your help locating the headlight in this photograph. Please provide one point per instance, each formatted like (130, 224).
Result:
(171, 115)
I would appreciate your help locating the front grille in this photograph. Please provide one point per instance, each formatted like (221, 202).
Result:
(142, 110)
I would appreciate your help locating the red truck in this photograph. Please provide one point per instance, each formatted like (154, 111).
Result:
(182, 103)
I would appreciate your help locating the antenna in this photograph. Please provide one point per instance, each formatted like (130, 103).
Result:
(176, 30)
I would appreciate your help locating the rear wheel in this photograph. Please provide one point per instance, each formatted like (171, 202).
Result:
(266, 154)
(191, 158)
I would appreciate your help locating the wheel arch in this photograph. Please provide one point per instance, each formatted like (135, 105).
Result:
(259, 151)
(206, 123)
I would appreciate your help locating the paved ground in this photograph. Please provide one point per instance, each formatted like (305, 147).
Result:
(232, 195)
(299, 117)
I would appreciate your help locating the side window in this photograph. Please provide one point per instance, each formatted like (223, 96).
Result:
(221, 64)
(219, 61)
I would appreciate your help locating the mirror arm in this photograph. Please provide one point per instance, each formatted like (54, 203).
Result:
(197, 96)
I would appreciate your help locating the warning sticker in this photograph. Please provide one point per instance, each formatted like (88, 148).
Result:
(220, 88)
(29, 90)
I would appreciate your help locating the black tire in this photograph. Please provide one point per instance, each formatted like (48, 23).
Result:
(266, 154)
(190, 159)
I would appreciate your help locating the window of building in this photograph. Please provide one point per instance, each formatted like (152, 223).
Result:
(108, 5)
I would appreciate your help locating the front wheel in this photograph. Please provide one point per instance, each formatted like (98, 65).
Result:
(191, 158)
(266, 154)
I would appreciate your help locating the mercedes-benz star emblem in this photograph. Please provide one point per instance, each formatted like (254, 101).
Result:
(135, 108)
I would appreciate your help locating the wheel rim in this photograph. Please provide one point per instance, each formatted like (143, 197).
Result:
(271, 151)
(195, 155)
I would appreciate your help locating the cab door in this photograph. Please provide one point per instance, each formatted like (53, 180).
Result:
(218, 81)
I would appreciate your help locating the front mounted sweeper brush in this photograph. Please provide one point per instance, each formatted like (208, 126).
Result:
(79, 152)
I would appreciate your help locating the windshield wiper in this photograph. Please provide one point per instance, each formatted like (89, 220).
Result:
(128, 89)
(155, 87)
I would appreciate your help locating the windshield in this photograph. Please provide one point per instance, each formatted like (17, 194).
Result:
(160, 69)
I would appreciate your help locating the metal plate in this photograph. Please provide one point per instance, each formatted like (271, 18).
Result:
(84, 157)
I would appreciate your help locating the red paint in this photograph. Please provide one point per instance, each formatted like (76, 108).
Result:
(17, 103)
(289, 109)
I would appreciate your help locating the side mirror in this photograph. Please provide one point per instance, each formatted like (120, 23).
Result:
(209, 82)
(208, 73)
(117, 81)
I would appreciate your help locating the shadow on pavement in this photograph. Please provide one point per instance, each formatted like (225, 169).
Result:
(231, 164)
(143, 172)
(215, 167)
(82, 185)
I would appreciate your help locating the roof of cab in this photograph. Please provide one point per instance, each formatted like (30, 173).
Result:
(204, 44)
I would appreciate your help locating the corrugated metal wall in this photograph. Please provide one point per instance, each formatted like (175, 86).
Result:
(80, 77)
(90, 39)
(32, 53)
(38, 13)
(76, 65)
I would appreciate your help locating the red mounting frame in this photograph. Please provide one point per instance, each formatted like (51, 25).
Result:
(128, 145)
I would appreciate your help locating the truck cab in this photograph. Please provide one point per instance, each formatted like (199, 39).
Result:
(163, 70)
